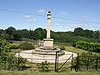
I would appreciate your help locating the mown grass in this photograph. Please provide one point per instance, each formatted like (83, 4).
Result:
(3, 72)
(76, 50)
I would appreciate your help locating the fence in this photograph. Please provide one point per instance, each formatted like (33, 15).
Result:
(55, 63)
(86, 63)
(66, 64)
(47, 62)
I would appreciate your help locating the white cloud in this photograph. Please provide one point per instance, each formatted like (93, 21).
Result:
(63, 13)
(41, 11)
(83, 18)
(29, 18)
(34, 20)
(76, 25)
(57, 24)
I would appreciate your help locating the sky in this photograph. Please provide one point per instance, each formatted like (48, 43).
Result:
(66, 14)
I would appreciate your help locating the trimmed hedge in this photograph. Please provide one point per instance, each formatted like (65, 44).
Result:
(26, 46)
(94, 47)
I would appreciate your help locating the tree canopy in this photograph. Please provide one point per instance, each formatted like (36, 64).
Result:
(79, 34)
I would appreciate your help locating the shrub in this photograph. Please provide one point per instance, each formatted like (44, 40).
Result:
(9, 62)
(13, 46)
(62, 47)
(86, 61)
(43, 66)
(6, 48)
(94, 47)
(26, 46)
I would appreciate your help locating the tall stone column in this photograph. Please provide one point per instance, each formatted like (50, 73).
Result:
(48, 28)
(48, 42)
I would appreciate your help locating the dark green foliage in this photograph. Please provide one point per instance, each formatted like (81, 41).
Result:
(4, 45)
(87, 61)
(11, 31)
(94, 47)
(39, 33)
(13, 46)
(85, 33)
(26, 46)
(62, 47)
(97, 35)
(69, 37)
(10, 62)
(79, 34)
(78, 31)
(6, 48)
(24, 33)
(43, 66)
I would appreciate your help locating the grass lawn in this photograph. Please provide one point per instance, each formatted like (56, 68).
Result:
(3, 72)
(76, 50)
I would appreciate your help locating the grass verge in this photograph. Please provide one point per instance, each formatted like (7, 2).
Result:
(3, 72)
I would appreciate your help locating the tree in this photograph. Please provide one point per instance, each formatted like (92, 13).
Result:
(4, 45)
(88, 33)
(6, 36)
(97, 36)
(78, 31)
(39, 33)
(84, 33)
(11, 31)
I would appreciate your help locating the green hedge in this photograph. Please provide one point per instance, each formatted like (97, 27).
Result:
(62, 47)
(26, 46)
(94, 47)
(13, 46)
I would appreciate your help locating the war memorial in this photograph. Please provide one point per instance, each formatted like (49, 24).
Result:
(47, 52)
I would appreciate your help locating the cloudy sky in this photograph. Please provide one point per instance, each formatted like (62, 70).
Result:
(66, 14)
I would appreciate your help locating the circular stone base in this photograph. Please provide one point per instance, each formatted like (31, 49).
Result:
(38, 58)
(48, 52)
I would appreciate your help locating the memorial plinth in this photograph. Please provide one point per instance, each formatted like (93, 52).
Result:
(48, 44)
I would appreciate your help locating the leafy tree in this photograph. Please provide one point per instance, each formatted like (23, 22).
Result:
(24, 33)
(4, 45)
(11, 31)
(85, 33)
(6, 36)
(97, 35)
(39, 33)
(78, 31)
